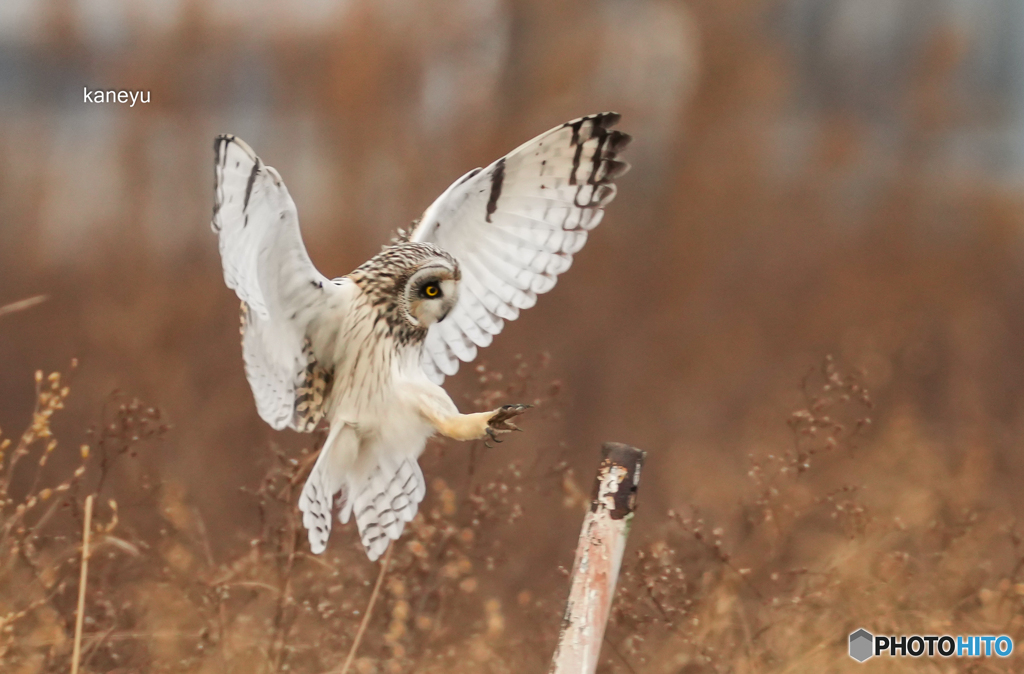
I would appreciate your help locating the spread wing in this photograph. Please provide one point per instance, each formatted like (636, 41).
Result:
(514, 227)
(282, 293)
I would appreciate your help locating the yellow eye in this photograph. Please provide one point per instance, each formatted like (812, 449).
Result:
(432, 290)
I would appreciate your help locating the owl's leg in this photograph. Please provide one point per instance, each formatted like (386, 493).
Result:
(462, 426)
(435, 405)
(481, 424)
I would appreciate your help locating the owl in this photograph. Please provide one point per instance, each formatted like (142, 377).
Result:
(366, 353)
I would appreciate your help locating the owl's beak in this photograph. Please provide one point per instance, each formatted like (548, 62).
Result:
(451, 297)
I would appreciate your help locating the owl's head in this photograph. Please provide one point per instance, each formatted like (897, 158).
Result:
(413, 285)
(431, 291)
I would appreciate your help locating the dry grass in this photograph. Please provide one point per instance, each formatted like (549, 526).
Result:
(158, 600)
(833, 533)
(841, 530)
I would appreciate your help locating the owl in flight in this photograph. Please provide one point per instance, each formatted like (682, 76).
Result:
(367, 353)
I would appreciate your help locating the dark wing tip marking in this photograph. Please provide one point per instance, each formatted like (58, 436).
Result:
(469, 175)
(613, 169)
(220, 158)
(252, 181)
(497, 178)
(603, 120)
(604, 167)
(218, 143)
(618, 140)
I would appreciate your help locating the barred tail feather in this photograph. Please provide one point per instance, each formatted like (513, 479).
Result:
(327, 478)
(387, 499)
(315, 503)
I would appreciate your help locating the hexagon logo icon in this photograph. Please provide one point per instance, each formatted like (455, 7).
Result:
(862, 645)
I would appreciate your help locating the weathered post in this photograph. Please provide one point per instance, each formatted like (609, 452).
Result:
(598, 558)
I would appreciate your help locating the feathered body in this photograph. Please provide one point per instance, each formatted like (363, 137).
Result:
(376, 428)
(367, 352)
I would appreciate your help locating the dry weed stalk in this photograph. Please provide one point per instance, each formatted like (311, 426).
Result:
(83, 580)
(22, 305)
(38, 543)
(385, 563)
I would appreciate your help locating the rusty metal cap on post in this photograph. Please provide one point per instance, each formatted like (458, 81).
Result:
(618, 477)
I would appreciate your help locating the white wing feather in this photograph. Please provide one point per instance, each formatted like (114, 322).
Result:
(514, 227)
(266, 264)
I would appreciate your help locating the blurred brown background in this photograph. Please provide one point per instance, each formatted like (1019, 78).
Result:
(809, 177)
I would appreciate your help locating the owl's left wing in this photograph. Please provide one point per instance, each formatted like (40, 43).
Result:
(514, 227)
(282, 293)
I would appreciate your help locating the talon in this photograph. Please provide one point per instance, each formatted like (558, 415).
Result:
(500, 420)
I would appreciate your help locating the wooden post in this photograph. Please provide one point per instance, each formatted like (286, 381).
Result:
(598, 558)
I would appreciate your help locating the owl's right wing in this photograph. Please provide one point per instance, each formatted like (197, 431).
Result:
(282, 293)
(514, 227)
